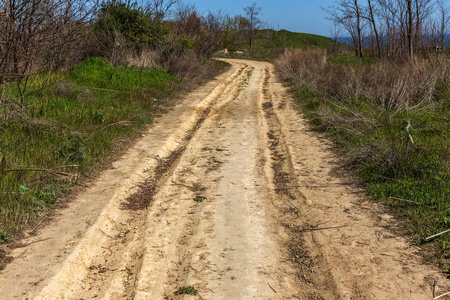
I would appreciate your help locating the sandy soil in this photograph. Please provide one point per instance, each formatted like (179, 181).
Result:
(229, 194)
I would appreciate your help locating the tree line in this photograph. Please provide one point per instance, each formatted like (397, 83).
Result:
(393, 28)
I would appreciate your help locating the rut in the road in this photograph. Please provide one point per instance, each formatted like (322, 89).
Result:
(111, 267)
(304, 254)
(229, 196)
(222, 246)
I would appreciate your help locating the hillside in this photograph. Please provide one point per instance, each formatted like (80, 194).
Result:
(270, 43)
(291, 39)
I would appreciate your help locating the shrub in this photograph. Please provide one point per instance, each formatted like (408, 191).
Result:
(120, 25)
(302, 66)
(5, 237)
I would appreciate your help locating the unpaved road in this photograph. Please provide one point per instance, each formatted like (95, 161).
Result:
(230, 194)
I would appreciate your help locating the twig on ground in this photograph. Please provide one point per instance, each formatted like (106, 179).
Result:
(50, 171)
(323, 228)
(194, 188)
(293, 205)
(408, 125)
(193, 269)
(314, 228)
(129, 273)
(108, 90)
(440, 296)
(434, 288)
(38, 241)
(106, 248)
(34, 242)
(272, 288)
(107, 234)
(400, 199)
(124, 123)
(22, 253)
(67, 166)
(437, 234)
(35, 227)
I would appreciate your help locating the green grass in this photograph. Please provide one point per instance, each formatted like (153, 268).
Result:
(376, 146)
(74, 125)
(2, 257)
(186, 290)
(5, 238)
(199, 199)
(294, 40)
(269, 43)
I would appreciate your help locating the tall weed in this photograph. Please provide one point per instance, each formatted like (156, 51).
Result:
(387, 84)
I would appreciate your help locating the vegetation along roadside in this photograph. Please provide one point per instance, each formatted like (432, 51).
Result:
(390, 122)
(69, 105)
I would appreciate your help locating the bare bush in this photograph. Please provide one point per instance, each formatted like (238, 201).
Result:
(302, 66)
(253, 23)
(185, 65)
(40, 34)
(187, 21)
(203, 34)
(389, 85)
(148, 58)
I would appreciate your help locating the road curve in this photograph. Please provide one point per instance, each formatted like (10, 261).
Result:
(228, 196)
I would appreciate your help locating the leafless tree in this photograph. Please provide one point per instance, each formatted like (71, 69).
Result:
(212, 38)
(398, 28)
(254, 23)
(160, 8)
(410, 29)
(370, 16)
(335, 34)
(423, 11)
(358, 15)
(348, 14)
(230, 31)
(40, 34)
(204, 33)
(186, 21)
(443, 22)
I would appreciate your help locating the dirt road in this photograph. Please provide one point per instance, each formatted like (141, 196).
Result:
(229, 196)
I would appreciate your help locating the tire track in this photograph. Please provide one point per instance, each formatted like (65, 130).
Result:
(229, 205)
(106, 261)
(166, 263)
(303, 252)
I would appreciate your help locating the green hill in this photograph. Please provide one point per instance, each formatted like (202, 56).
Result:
(270, 43)
(291, 39)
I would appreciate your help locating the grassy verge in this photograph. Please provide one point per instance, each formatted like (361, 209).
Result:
(68, 130)
(391, 124)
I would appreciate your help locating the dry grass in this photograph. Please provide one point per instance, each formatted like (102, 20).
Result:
(147, 59)
(387, 84)
(186, 65)
(303, 66)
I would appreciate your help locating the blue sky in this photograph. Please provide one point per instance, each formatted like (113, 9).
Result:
(300, 16)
